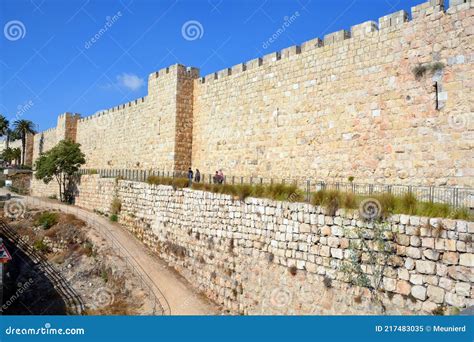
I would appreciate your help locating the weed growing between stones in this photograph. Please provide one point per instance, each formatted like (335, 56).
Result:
(115, 206)
(421, 69)
(370, 250)
(327, 282)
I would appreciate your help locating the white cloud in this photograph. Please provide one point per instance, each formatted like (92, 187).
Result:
(130, 81)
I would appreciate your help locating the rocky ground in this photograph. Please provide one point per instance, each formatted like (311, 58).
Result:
(93, 270)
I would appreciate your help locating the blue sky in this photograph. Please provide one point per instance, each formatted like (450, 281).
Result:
(50, 63)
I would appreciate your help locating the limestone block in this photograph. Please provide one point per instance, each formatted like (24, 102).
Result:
(435, 294)
(336, 37)
(431, 254)
(403, 287)
(425, 267)
(419, 292)
(463, 289)
(466, 259)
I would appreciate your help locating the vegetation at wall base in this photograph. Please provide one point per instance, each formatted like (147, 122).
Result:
(332, 200)
(47, 219)
(390, 204)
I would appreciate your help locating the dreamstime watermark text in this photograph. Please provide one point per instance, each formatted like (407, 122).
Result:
(288, 21)
(21, 288)
(46, 330)
(110, 21)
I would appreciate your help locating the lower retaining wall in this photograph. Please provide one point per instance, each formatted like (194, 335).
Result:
(40, 189)
(260, 256)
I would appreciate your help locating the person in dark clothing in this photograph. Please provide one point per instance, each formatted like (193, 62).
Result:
(216, 178)
(190, 176)
(197, 176)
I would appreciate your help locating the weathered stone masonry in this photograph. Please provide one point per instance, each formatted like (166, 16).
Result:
(239, 253)
(347, 105)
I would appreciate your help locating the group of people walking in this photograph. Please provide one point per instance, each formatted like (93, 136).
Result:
(196, 176)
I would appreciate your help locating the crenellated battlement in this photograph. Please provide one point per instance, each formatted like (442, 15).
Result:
(347, 104)
(392, 21)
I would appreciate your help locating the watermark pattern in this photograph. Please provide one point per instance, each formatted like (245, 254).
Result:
(287, 22)
(15, 208)
(103, 120)
(46, 330)
(458, 122)
(21, 288)
(14, 30)
(280, 297)
(103, 296)
(370, 209)
(192, 30)
(23, 108)
(110, 21)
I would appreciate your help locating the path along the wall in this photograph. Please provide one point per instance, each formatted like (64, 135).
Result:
(173, 294)
(261, 256)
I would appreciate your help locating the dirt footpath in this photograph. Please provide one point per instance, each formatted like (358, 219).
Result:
(178, 294)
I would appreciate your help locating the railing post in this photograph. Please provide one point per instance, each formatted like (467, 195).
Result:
(308, 190)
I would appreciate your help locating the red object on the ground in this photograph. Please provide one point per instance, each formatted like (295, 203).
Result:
(4, 255)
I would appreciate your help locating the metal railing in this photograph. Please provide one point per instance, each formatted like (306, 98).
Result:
(160, 304)
(61, 286)
(457, 197)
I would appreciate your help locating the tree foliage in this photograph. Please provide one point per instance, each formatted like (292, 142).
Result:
(61, 163)
(22, 128)
(11, 154)
(3, 125)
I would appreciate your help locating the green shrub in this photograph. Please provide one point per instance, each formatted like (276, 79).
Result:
(408, 203)
(349, 201)
(462, 214)
(39, 245)
(387, 202)
(419, 71)
(175, 182)
(53, 196)
(331, 199)
(258, 191)
(244, 191)
(318, 197)
(47, 219)
(198, 186)
(115, 206)
(113, 218)
(180, 183)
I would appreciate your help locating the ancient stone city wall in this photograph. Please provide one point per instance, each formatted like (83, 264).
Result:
(260, 256)
(349, 105)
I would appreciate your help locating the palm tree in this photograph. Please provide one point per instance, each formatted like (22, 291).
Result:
(16, 154)
(11, 135)
(3, 125)
(23, 128)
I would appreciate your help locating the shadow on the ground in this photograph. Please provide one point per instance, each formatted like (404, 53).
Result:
(27, 290)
